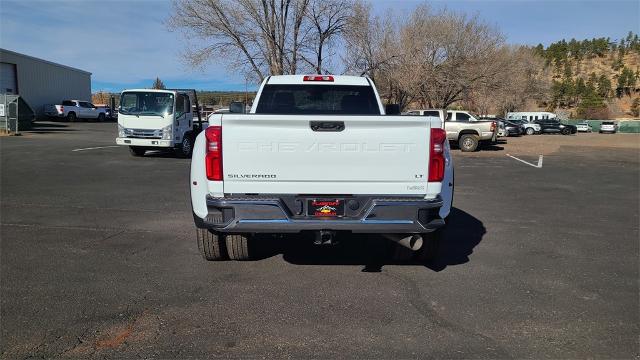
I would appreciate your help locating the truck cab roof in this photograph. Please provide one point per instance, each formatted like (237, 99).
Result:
(152, 90)
(318, 80)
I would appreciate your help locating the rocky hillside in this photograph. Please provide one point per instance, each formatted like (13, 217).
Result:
(597, 78)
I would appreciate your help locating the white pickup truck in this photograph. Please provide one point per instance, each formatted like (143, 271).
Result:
(71, 110)
(317, 154)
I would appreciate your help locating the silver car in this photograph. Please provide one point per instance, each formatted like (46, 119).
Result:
(584, 127)
(608, 127)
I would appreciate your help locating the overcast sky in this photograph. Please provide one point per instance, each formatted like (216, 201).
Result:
(125, 43)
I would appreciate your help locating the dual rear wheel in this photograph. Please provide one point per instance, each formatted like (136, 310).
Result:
(217, 247)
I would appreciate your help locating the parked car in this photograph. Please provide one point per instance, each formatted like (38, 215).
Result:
(507, 128)
(322, 154)
(513, 129)
(529, 127)
(584, 127)
(553, 126)
(464, 127)
(75, 109)
(608, 127)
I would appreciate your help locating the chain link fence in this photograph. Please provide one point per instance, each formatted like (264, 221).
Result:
(15, 114)
(624, 126)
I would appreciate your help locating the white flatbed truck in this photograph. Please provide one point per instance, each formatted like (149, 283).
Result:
(151, 119)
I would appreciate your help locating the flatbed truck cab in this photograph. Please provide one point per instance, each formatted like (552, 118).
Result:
(150, 119)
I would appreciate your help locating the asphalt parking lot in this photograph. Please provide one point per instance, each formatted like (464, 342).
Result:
(98, 258)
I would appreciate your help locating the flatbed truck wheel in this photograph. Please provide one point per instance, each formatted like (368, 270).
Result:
(210, 245)
(137, 150)
(237, 246)
(185, 149)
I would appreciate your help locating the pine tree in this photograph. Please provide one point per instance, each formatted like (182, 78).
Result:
(592, 106)
(158, 84)
(626, 82)
(604, 86)
(591, 83)
(568, 74)
(635, 107)
(581, 87)
(618, 63)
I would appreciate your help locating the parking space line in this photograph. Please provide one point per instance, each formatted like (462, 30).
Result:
(539, 165)
(94, 148)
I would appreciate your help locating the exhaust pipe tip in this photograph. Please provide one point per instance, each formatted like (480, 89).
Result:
(412, 242)
(415, 243)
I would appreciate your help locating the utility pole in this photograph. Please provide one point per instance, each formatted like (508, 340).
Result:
(246, 95)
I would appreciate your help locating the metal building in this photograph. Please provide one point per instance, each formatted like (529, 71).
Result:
(40, 82)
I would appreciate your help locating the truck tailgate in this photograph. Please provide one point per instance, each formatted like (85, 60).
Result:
(282, 154)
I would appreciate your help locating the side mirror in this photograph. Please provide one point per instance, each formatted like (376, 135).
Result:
(237, 107)
(392, 109)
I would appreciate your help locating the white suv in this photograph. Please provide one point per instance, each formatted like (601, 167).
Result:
(608, 127)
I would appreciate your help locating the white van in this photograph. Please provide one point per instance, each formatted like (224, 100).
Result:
(530, 116)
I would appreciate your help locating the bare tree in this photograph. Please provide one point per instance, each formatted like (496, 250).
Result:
(435, 59)
(327, 20)
(100, 97)
(260, 37)
(447, 55)
(519, 81)
(371, 49)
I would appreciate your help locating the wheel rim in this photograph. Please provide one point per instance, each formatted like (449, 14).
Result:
(530, 131)
(467, 143)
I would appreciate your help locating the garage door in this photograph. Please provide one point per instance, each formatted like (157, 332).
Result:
(8, 79)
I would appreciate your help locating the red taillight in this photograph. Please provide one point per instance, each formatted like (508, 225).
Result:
(493, 126)
(436, 160)
(318, 78)
(213, 159)
(61, 109)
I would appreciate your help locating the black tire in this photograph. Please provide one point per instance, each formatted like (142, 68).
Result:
(210, 245)
(71, 117)
(137, 150)
(468, 142)
(530, 131)
(238, 246)
(566, 131)
(186, 147)
(453, 192)
(101, 117)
